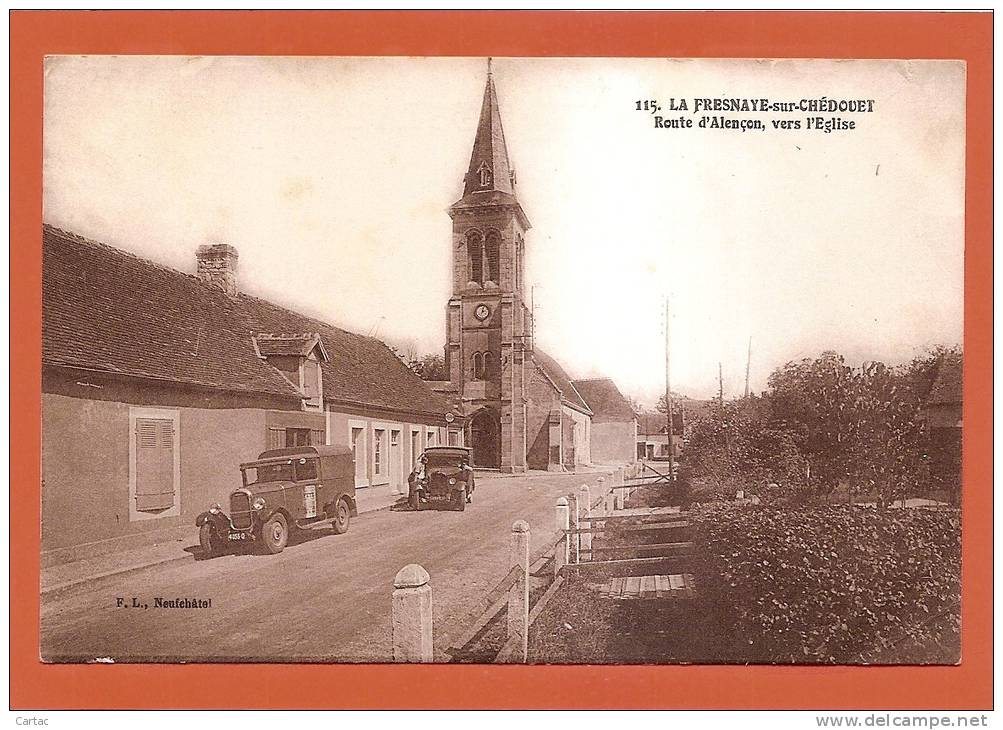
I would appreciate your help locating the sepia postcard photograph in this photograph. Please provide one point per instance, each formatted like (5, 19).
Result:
(501, 360)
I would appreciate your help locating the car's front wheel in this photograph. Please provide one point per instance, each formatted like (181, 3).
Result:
(209, 542)
(460, 500)
(342, 515)
(275, 533)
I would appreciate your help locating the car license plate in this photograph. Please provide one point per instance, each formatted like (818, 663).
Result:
(238, 536)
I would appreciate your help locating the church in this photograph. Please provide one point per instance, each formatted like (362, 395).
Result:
(522, 410)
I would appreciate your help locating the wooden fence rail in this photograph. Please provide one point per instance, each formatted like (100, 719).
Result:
(412, 594)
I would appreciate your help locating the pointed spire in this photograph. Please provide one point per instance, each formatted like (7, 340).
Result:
(489, 165)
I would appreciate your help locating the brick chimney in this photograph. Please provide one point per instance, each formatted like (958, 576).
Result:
(217, 265)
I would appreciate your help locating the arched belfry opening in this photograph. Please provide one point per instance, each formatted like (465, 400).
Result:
(485, 439)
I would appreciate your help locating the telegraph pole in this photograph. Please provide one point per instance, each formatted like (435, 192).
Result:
(748, 362)
(668, 399)
(720, 387)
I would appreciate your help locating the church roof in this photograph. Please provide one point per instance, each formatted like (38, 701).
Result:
(489, 180)
(110, 311)
(607, 403)
(489, 150)
(561, 380)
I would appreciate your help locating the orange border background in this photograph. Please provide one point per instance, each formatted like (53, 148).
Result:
(965, 36)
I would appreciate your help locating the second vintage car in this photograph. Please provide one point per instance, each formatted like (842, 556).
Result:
(443, 474)
(304, 487)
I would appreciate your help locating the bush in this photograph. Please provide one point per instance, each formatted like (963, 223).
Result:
(834, 585)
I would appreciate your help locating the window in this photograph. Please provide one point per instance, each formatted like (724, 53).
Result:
(430, 438)
(475, 257)
(358, 443)
(379, 436)
(478, 366)
(484, 175)
(492, 255)
(415, 447)
(154, 463)
(489, 366)
(284, 438)
(312, 384)
(454, 438)
(297, 437)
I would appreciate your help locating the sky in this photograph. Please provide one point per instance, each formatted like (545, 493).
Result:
(332, 177)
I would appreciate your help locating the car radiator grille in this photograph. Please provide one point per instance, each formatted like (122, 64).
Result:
(240, 510)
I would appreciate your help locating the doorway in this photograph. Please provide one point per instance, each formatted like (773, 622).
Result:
(485, 439)
(396, 463)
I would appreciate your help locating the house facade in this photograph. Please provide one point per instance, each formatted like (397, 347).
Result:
(522, 409)
(614, 422)
(157, 385)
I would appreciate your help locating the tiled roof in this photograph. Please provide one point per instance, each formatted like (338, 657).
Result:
(605, 400)
(561, 379)
(947, 384)
(297, 345)
(107, 310)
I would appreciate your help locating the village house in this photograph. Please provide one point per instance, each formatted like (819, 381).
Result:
(614, 422)
(157, 384)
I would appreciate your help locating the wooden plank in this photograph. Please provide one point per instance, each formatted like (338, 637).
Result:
(648, 587)
(670, 547)
(544, 599)
(676, 582)
(649, 526)
(662, 585)
(483, 620)
(502, 588)
(632, 587)
(625, 566)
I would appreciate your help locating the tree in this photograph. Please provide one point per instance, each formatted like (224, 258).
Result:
(812, 400)
(431, 367)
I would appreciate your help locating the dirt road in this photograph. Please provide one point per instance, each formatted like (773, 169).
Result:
(325, 598)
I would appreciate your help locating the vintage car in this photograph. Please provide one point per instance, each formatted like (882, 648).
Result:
(443, 474)
(305, 487)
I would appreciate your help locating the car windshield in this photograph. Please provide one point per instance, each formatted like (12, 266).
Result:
(446, 458)
(269, 473)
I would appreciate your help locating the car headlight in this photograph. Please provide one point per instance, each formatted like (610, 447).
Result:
(452, 481)
(258, 503)
(215, 509)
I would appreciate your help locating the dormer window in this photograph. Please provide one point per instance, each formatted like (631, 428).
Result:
(484, 173)
(298, 358)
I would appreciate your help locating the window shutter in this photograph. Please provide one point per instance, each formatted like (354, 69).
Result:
(154, 464)
(316, 437)
(276, 438)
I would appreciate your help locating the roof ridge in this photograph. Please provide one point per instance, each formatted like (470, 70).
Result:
(76, 237)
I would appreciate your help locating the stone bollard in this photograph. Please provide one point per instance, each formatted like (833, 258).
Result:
(561, 549)
(411, 615)
(518, 595)
(620, 493)
(609, 500)
(585, 515)
(573, 525)
(601, 502)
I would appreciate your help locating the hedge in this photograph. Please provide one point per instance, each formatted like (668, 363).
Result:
(837, 584)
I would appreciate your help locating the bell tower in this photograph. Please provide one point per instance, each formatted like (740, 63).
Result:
(487, 322)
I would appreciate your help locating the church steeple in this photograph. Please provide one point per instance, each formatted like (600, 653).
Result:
(489, 168)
